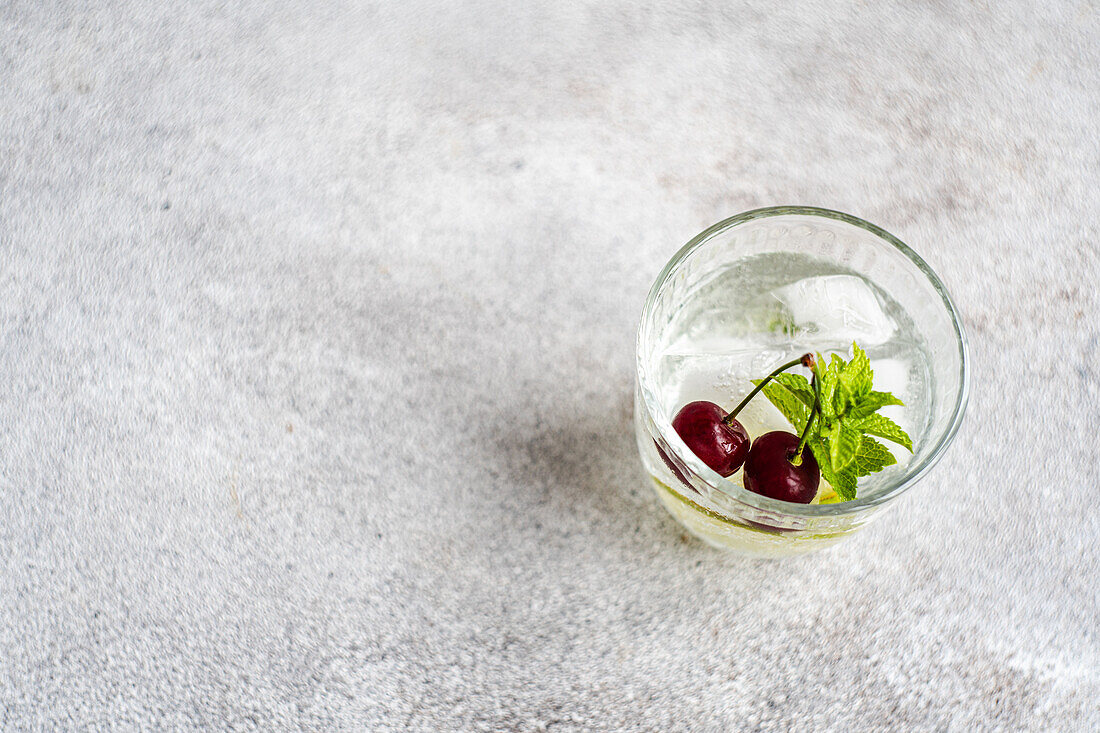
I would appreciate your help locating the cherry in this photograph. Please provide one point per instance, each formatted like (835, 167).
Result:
(769, 471)
(715, 437)
(720, 444)
(673, 467)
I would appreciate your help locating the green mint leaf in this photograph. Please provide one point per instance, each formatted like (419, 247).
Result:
(872, 402)
(797, 385)
(830, 378)
(843, 399)
(781, 323)
(857, 375)
(843, 482)
(843, 444)
(883, 427)
(840, 436)
(787, 403)
(872, 457)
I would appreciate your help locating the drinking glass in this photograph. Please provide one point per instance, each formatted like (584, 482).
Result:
(723, 307)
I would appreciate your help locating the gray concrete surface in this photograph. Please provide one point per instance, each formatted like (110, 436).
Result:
(316, 344)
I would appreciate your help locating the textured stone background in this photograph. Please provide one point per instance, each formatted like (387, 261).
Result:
(316, 342)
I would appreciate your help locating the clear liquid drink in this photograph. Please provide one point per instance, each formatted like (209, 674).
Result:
(759, 290)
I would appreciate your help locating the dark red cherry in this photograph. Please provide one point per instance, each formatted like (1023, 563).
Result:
(673, 467)
(701, 426)
(769, 471)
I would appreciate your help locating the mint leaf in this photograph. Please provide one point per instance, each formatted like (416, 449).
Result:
(847, 416)
(843, 444)
(883, 427)
(787, 403)
(872, 457)
(872, 402)
(843, 482)
(781, 323)
(797, 385)
(857, 374)
(843, 399)
(829, 380)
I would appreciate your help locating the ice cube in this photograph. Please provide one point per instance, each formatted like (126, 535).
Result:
(892, 375)
(717, 369)
(686, 378)
(721, 377)
(836, 309)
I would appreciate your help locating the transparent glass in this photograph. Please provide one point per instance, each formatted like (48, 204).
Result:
(720, 511)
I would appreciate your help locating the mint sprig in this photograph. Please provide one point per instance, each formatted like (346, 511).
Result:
(843, 431)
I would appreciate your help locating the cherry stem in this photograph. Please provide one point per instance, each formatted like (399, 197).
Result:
(797, 460)
(804, 360)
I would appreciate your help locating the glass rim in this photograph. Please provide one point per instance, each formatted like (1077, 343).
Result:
(717, 482)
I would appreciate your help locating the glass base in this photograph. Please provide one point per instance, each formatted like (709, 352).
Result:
(728, 534)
